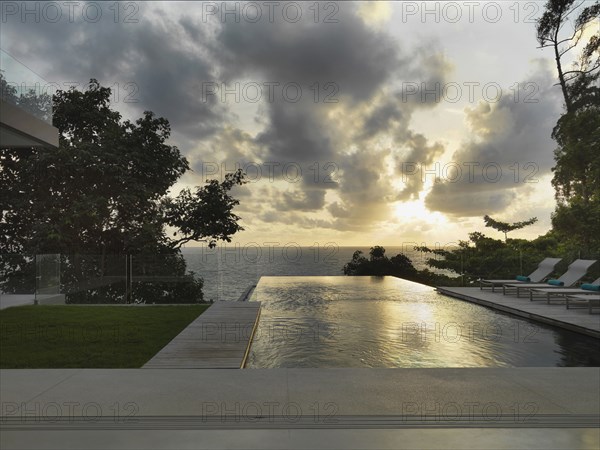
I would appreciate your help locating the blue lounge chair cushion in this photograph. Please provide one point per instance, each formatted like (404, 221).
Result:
(590, 287)
(522, 278)
(556, 283)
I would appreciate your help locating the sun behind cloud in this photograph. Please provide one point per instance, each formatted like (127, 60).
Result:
(375, 13)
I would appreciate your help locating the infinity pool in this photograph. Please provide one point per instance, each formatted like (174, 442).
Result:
(390, 322)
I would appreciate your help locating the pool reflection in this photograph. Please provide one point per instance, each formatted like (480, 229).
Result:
(389, 322)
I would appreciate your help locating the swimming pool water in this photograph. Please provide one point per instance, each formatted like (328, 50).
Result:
(338, 321)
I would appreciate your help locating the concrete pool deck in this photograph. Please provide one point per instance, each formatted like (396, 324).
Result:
(54, 407)
(219, 338)
(187, 408)
(302, 439)
(330, 398)
(578, 320)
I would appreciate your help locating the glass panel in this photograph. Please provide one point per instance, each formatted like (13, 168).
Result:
(17, 274)
(94, 278)
(47, 268)
(24, 88)
(228, 271)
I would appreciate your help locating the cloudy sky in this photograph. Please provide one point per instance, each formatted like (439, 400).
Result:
(357, 123)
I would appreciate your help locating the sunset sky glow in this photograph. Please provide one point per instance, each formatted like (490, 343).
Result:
(357, 123)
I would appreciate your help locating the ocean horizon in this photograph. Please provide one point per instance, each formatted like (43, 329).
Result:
(229, 270)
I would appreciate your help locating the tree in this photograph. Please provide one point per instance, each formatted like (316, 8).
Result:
(506, 227)
(403, 266)
(484, 257)
(398, 266)
(206, 214)
(576, 176)
(357, 265)
(105, 189)
(556, 15)
(377, 252)
(7, 90)
(36, 103)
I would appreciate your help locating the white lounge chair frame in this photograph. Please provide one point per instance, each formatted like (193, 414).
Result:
(544, 269)
(575, 272)
(591, 301)
(560, 293)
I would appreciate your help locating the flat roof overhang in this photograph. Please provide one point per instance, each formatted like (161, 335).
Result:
(18, 128)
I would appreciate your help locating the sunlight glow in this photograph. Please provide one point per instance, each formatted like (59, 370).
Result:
(374, 13)
(416, 209)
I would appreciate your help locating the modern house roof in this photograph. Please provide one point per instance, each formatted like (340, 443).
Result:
(23, 123)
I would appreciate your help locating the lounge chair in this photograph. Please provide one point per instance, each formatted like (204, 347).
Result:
(544, 269)
(562, 292)
(576, 271)
(591, 301)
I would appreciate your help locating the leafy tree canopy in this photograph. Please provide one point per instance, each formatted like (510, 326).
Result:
(506, 227)
(576, 177)
(104, 190)
(377, 252)
(551, 33)
(399, 266)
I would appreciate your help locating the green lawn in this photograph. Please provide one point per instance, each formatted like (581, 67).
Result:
(88, 336)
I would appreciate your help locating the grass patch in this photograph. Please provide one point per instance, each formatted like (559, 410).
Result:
(88, 336)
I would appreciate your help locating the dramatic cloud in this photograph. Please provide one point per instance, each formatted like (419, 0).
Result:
(420, 154)
(511, 148)
(350, 126)
(355, 57)
(145, 62)
(364, 190)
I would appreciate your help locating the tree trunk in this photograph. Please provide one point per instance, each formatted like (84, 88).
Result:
(561, 77)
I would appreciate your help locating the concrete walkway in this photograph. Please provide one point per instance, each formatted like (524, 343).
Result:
(578, 320)
(316, 398)
(303, 439)
(218, 339)
(247, 293)
(11, 300)
(516, 408)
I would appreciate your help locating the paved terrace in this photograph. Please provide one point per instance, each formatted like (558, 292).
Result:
(218, 339)
(578, 320)
(181, 408)
(289, 408)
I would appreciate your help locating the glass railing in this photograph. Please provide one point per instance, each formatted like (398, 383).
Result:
(225, 274)
(122, 279)
(94, 278)
(22, 87)
(47, 274)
